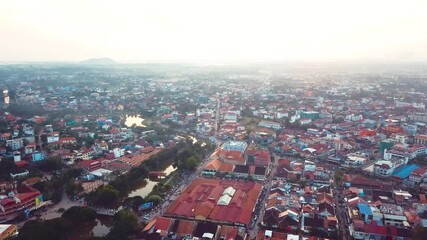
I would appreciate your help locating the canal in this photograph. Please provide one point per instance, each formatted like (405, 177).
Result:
(147, 186)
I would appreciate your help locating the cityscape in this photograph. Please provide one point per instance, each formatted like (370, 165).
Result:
(243, 151)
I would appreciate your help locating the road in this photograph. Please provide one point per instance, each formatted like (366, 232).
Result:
(341, 212)
(52, 211)
(264, 197)
(217, 112)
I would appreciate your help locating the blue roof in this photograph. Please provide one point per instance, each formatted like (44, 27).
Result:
(146, 205)
(405, 171)
(364, 209)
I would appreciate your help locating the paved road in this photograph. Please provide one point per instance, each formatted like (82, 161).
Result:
(264, 197)
(52, 211)
(341, 212)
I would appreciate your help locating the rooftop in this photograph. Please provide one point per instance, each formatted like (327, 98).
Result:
(225, 201)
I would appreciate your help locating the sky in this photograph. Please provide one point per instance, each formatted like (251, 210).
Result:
(198, 30)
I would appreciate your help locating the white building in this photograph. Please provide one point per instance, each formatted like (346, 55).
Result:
(309, 166)
(357, 158)
(15, 144)
(270, 124)
(118, 152)
(386, 167)
(230, 116)
(401, 138)
(354, 118)
(53, 137)
(418, 176)
(235, 146)
(383, 168)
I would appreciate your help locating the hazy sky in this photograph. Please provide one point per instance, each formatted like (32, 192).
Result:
(177, 30)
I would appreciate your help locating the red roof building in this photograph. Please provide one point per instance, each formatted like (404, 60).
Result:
(223, 201)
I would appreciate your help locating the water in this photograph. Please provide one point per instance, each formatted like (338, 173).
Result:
(134, 119)
(149, 184)
(194, 140)
(99, 228)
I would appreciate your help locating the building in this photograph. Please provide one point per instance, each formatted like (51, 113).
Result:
(30, 148)
(420, 139)
(235, 146)
(52, 137)
(13, 204)
(37, 156)
(270, 124)
(15, 144)
(418, 117)
(418, 175)
(383, 168)
(7, 231)
(118, 152)
(357, 158)
(68, 140)
(230, 116)
(386, 144)
(19, 174)
(313, 115)
(220, 201)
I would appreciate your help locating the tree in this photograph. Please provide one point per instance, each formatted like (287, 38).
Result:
(106, 196)
(338, 176)
(7, 165)
(167, 187)
(133, 202)
(52, 163)
(125, 223)
(79, 215)
(72, 173)
(156, 199)
(191, 163)
(34, 230)
(55, 229)
(72, 188)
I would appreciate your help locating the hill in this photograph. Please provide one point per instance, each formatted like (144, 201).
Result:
(98, 61)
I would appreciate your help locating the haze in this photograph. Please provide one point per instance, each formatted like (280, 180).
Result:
(143, 31)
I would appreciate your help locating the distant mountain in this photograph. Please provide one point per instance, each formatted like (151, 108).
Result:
(98, 61)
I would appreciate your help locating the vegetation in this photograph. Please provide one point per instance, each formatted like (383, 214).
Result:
(57, 228)
(7, 165)
(185, 160)
(250, 123)
(51, 190)
(125, 224)
(338, 176)
(51, 164)
(79, 215)
(25, 109)
(156, 199)
(106, 196)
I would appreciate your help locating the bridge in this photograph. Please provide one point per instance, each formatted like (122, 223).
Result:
(156, 174)
(106, 212)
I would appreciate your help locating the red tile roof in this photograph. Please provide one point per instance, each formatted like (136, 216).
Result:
(185, 227)
(163, 223)
(200, 199)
